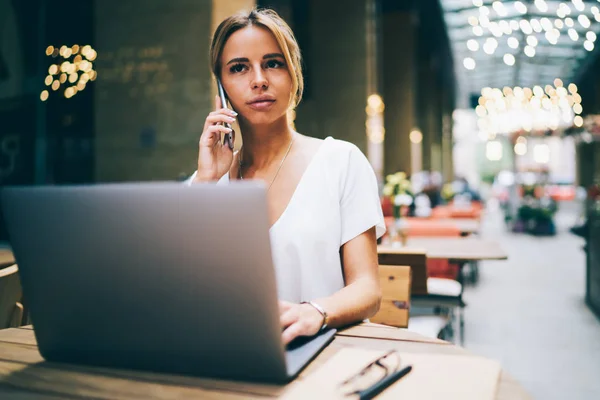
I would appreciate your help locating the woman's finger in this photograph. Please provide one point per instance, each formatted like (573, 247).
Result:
(220, 118)
(212, 135)
(291, 333)
(217, 102)
(284, 306)
(288, 318)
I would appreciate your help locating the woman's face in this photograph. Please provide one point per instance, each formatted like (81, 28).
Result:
(255, 75)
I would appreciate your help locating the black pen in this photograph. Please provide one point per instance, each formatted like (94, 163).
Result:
(383, 384)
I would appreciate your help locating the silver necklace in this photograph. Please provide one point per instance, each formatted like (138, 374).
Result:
(278, 168)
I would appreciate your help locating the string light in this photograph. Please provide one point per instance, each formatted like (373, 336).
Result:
(78, 71)
(493, 19)
(469, 63)
(472, 45)
(509, 59)
(589, 46)
(520, 7)
(529, 51)
(513, 109)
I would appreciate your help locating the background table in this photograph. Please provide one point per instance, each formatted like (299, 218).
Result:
(6, 257)
(450, 248)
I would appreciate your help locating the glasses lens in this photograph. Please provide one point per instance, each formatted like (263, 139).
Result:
(372, 374)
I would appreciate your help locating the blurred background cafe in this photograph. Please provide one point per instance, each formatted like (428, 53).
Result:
(481, 120)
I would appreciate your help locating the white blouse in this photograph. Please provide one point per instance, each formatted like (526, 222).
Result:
(336, 200)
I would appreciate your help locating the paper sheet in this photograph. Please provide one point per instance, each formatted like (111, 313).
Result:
(434, 376)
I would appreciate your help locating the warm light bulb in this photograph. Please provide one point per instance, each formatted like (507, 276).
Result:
(532, 41)
(559, 23)
(469, 63)
(572, 88)
(529, 51)
(541, 5)
(591, 36)
(520, 7)
(416, 136)
(509, 59)
(520, 148)
(472, 45)
(584, 20)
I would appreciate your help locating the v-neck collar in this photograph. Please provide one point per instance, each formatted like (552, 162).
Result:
(300, 182)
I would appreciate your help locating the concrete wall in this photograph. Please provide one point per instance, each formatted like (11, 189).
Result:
(153, 89)
(337, 83)
(399, 74)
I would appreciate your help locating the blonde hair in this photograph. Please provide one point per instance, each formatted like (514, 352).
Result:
(284, 36)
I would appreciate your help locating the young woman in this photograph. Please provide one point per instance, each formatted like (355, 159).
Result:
(323, 200)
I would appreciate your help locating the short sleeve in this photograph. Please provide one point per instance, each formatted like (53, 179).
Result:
(360, 205)
(190, 180)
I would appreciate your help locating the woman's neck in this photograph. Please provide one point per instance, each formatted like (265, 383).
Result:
(264, 144)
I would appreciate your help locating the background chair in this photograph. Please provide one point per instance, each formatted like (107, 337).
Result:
(11, 309)
(435, 299)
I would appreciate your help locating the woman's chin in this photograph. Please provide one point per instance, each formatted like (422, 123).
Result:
(262, 119)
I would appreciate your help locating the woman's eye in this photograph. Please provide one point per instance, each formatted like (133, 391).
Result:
(237, 68)
(274, 64)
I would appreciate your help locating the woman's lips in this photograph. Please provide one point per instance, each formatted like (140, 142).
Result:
(261, 105)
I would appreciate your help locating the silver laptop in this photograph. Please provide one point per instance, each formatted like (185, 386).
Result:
(154, 276)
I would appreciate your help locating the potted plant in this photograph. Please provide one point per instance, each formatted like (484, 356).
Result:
(398, 189)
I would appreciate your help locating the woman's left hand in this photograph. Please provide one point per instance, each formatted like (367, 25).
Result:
(298, 320)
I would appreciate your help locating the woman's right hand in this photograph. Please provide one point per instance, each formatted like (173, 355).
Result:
(214, 156)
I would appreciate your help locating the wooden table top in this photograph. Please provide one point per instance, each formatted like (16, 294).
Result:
(451, 248)
(25, 375)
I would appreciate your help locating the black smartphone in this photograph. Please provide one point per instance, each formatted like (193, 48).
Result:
(228, 139)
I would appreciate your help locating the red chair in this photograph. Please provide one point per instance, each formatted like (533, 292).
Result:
(436, 268)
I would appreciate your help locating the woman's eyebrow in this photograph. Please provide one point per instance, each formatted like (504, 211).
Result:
(239, 59)
(273, 55)
(265, 57)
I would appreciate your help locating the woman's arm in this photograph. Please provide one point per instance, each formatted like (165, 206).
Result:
(359, 299)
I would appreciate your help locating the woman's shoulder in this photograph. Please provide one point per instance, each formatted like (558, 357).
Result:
(344, 153)
(335, 149)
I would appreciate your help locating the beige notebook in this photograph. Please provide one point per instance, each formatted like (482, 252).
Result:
(433, 376)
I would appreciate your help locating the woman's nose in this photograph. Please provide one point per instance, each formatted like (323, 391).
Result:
(259, 79)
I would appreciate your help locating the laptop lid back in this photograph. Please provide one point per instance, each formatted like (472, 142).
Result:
(155, 276)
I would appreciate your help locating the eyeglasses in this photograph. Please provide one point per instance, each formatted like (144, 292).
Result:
(375, 377)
